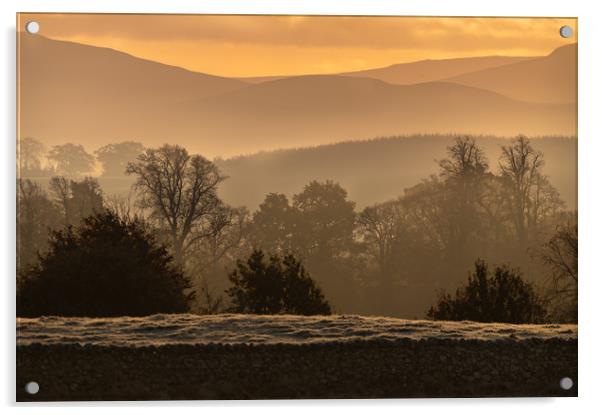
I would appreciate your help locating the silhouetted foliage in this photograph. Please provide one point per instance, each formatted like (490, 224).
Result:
(273, 224)
(77, 199)
(71, 160)
(531, 196)
(276, 286)
(463, 173)
(559, 253)
(105, 267)
(115, 157)
(504, 298)
(179, 190)
(377, 169)
(325, 220)
(36, 216)
(124, 206)
(29, 158)
(222, 242)
(385, 259)
(383, 227)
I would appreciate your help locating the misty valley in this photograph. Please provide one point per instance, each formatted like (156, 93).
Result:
(396, 255)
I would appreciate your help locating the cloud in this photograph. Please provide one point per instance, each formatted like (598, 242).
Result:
(310, 31)
(235, 45)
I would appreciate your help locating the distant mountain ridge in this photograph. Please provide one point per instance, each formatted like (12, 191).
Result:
(73, 92)
(428, 70)
(94, 96)
(432, 70)
(320, 109)
(549, 79)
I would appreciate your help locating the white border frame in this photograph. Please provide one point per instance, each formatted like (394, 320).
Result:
(590, 154)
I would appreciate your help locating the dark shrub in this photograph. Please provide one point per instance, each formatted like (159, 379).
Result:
(105, 267)
(504, 297)
(277, 286)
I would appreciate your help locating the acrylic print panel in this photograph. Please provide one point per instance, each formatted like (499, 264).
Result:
(258, 207)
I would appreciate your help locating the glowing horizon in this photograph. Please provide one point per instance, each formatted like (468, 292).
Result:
(239, 46)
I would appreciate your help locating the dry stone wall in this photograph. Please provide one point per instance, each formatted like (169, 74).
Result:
(361, 369)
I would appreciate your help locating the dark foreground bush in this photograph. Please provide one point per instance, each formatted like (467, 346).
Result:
(105, 267)
(504, 298)
(276, 286)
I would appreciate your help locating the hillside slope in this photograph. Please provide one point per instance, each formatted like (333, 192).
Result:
(72, 92)
(87, 94)
(375, 170)
(314, 110)
(432, 70)
(550, 79)
(428, 70)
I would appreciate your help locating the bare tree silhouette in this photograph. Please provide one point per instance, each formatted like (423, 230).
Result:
(180, 191)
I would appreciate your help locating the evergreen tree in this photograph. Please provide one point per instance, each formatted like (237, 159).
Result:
(276, 286)
(504, 298)
(105, 267)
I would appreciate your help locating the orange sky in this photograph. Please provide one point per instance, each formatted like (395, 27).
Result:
(291, 45)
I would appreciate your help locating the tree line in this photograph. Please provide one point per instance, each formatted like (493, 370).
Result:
(316, 243)
(72, 160)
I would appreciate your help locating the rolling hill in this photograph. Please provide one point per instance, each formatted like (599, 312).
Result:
(73, 92)
(375, 170)
(94, 96)
(428, 70)
(434, 69)
(314, 110)
(550, 79)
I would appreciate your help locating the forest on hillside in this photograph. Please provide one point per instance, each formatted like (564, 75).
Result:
(395, 257)
(378, 169)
